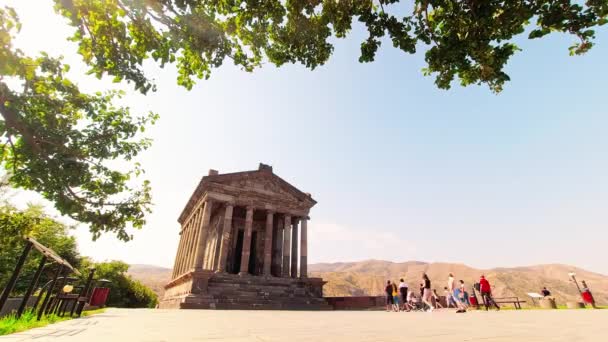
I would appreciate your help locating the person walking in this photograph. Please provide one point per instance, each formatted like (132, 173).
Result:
(395, 298)
(486, 293)
(437, 300)
(389, 295)
(427, 293)
(449, 298)
(403, 292)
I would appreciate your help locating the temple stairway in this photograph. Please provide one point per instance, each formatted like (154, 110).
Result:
(228, 291)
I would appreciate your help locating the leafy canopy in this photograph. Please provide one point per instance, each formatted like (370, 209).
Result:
(466, 39)
(14, 224)
(59, 141)
(34, 222)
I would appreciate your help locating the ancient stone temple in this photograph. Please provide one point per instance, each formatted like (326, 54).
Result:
(244, 245)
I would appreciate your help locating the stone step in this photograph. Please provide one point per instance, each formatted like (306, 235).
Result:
(269, 301)
(249, 283)
(233, 279)
(213, 289)
(273, 306)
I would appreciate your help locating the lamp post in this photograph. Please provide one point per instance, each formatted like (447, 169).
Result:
(573, 278)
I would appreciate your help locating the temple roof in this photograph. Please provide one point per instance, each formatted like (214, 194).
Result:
(261, 181)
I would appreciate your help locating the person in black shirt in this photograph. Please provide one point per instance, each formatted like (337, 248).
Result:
(389, 295)
(545, 292)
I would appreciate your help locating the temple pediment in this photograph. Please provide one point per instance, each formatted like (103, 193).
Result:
(263, 184)
(248, 186)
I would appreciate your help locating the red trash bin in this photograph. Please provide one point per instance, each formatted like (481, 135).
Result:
(587, 297)
(99, 296)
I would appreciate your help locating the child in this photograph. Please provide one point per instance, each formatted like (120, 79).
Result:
(437, 299)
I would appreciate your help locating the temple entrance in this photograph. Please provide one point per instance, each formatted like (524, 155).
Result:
(253, 252)
(238, 252)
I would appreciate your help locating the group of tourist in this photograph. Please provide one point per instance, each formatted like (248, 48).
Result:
(401, 298)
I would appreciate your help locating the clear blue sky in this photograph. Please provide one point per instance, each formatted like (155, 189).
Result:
(401, 170)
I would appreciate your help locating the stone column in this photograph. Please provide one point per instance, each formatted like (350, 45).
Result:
(202, 238)
(304, 248)
(177, 255)
(268, 243)
(286, 246)
(183, 254)
(189, 256)
(186, 250)
(247, 242)
(226, 230)
(294, 249)
(278, 246)
(195, 234)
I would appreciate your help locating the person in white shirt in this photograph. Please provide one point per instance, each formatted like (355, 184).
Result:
(403, 292)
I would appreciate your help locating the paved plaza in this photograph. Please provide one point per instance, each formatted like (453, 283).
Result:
(203, 325)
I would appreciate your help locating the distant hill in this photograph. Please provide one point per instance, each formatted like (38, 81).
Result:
(155, 277)
(368, 278)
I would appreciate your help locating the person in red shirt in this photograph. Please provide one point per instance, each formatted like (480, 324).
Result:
(486, 293)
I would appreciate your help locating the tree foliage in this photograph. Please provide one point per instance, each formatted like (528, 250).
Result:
(59, 141)
(471, 40)
(32, 221)
(14, 224)
(125, 292)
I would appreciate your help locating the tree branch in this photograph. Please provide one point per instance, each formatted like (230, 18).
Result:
(13, 121)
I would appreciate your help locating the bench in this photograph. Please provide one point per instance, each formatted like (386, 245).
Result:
(510, 300)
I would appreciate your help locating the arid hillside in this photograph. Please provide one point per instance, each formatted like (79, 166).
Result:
(155, 277)
(368, 278)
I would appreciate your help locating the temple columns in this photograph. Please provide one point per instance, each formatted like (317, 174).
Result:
(195, 235)
(268, 243)
(304, 248)
(189, 257)
(247, 242)
(186, 251)
(180, 246)
(278, 249)
(202, 239)
(286, 246)
(226, 230)
(294, 249)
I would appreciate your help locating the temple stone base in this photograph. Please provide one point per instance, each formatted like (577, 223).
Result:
(208, 290)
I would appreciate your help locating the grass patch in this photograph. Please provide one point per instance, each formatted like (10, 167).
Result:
(11, 324)
(93, 312)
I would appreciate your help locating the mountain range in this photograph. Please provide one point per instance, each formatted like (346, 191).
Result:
(367, 278)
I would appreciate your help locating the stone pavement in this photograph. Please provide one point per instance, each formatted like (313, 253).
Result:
(204, 325)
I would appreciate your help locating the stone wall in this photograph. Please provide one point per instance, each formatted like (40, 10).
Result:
(356, 303)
